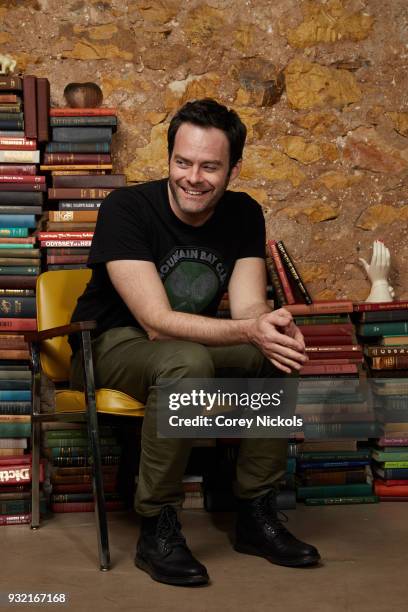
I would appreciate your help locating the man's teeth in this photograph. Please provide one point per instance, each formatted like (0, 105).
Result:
(190, 192)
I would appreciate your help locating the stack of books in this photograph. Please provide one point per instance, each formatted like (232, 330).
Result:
(15, 486)
(79, 161)
(383, 330)
(284, 276)
(334, 472)
(66, 447)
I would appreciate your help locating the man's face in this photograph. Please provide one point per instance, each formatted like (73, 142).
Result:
(198, 172)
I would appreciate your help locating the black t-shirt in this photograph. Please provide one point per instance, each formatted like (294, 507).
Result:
(194, 263)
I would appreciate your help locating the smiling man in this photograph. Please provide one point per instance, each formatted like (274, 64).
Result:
(163, 254)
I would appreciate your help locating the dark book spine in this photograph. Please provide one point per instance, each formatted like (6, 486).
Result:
(18, 306)
(78, 193)
(106, 180)
(18, 282)
(23, 169)
(22, 197)
(81, 134)
(43, 106)
(78, 147)
(274, 278)
(22, 186)
(15, 209)
(30, 106)
(291, 268)
(10, 83)
(281, 271)
(80, 205)
(12, 124)
(15, 407)
(75, 158)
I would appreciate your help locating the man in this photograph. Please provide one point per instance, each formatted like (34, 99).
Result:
(163, 254)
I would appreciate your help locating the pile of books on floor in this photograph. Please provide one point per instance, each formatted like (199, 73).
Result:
(79, 161)
(66, 447)
(334, 472)
(15, 486)
(383, 330)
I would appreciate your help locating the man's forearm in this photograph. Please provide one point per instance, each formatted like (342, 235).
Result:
(197, 328)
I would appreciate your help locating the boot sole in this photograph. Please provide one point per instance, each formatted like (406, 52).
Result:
(305, 561)
(176, 581)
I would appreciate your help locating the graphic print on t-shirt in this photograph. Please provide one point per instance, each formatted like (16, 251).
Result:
(192, 278)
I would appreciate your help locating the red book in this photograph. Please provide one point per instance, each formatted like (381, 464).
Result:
(20, 324)
(393, 483)
(335, 361)
(81, 112)
(64, 243)
(273, 249)
(335, 307)
(90, 180)
(395, 491)
(330, 329)
(334, 355)
(311, 370)
(21, 178)
(65, 259)
(30, 106)
(108, 487)
(10, 460)
(366, 307)
(43, 106)
(13, 354)
(394, 441)
(15, 519)
(23, 186)
(78, 194)
(17, 144)
(328, 340)
(18, 169)
(8, 98)
(65, 235)
(346, 348)
(76, 158)
(10, 474)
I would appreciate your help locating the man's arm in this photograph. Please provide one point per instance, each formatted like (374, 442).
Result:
(140, 287)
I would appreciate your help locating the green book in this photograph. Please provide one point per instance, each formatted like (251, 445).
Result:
(15, 430)
(77, 442)
(55, 434)
(394, 464)
(14, 232)
(348, 490)
(391, 457)
(383, 329)
(18, 506)
(19, 270)
(340, 501)
(7, 245)
(333, 455)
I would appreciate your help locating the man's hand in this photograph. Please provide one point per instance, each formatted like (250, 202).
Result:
(277, 336)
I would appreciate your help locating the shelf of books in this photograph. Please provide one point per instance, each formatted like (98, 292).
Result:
(78, 164)
(23, 126)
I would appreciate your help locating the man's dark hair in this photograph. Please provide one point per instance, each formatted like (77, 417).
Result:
(208, 113)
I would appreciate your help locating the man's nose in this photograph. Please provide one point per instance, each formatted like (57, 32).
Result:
(194, 174)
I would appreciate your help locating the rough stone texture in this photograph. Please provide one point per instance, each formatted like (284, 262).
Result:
(321, 85)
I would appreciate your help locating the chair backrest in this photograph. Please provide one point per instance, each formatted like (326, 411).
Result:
(56, 296)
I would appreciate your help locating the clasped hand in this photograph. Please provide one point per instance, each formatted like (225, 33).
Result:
(280, 340)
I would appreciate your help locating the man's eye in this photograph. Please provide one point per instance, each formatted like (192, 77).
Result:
(182, 163)
(210, 168)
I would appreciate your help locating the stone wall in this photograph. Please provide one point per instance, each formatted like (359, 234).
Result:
(321, 84)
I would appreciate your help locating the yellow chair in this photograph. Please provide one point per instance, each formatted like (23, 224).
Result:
(57, 294)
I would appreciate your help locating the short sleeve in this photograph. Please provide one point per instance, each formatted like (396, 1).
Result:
(121, 230)
(253, 235)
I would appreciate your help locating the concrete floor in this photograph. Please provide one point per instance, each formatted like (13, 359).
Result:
(364, 569)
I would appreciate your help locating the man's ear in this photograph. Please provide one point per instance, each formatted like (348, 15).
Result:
(235, 170)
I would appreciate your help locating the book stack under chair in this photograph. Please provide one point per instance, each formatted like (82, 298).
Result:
(65, 447)
(15, 488)
(79, 161)
(383, 330)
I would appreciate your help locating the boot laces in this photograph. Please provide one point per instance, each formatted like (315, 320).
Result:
(168, 526)
(266, 510)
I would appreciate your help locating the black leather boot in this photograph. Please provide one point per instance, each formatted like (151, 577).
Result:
(163, 553)
(260, 532)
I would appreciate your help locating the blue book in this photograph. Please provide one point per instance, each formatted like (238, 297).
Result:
(11, 221)
(82, 134)
(11, 396)
(318, 465)
(78, 147)
(14, 232)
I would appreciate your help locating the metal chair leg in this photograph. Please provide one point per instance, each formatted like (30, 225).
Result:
(35, 473)
(95, 454)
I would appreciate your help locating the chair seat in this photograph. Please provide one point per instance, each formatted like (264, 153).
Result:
(108, 401)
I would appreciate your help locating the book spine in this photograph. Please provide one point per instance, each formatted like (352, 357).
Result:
(110, 181)
(74, 112)
(274, 279)
(20, 186)
(15, 519)
(20, 170)
(17, 144)
(329, 369)
(15, 408)
(65, 235)
(291, 268)
(14, 354)
(8, 98)
(21, 178)
(78, 147)
(367, 306)
(273, 249)
(390, 362)
(30, 106)
(83, 121)
(66, 259)
(22, 221)
(320, 308)
(86, 194)
(337, 501)
(65, 243)
(382, 329)
(66, 216)
(85, 506)
(20, 197)
(80, 205)
(11, 124)
(43, 106)
(18, 324)
(14, 232)
(18, 282)
(19, 157)
(81, 134)
(334, 491)
(10, 83)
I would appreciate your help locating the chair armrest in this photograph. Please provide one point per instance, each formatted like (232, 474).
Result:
(63, 330)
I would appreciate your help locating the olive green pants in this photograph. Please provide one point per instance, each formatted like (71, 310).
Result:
(126, 360)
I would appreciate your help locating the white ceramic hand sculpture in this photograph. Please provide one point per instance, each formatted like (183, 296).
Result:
(377, 271)
(7, 64)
